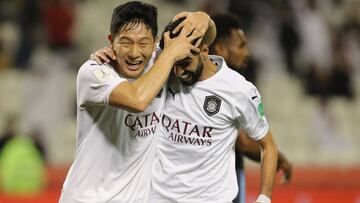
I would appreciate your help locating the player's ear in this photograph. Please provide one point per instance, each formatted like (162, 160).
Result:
(220, 50)
(204, 50)
(111, 39)
(157, 40)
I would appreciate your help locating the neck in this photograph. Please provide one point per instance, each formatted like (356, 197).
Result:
(209, 69)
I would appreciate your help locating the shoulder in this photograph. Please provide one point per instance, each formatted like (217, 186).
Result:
(92, 70)
(232, 80)
(91, 65)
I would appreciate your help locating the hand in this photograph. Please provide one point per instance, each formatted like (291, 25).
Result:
(285, 166)
(181, 46)
(104, 55)
(199, 21)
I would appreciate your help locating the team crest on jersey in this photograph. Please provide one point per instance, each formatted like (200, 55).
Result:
(212, 105)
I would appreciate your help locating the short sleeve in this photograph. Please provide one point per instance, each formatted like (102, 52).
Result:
(249, 112)
(95, 83)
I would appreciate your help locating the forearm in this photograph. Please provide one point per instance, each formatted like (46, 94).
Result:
(268, 164)
(268, 170)
(148, 86)
(142, 91)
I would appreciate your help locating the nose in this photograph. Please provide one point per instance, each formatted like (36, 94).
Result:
(134, 51)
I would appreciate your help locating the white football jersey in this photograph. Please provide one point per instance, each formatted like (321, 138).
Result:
(115, 148)
(195, 161)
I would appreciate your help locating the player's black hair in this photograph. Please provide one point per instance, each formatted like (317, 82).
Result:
(134, 13)
(224, 24)
(170, 27)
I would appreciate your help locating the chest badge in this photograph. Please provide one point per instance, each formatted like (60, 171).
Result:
(212, 105)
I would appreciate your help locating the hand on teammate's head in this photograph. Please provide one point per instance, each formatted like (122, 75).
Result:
(193, 21)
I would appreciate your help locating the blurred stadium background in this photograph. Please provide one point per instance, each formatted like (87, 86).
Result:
(305, 61)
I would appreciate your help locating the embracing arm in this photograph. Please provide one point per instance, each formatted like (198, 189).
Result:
(138, 94)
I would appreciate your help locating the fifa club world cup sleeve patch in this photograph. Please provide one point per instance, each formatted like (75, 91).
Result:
(102, 74)
(250, 112)
(261, 109)
(212, 105)
(256, 100)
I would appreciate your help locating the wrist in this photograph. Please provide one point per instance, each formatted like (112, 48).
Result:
(263, 199)
(168, 57)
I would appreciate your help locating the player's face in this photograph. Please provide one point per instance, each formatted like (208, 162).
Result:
(237, 51)
(189, 70)
(133, 47)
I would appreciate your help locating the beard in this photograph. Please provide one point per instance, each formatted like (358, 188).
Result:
(194, 75)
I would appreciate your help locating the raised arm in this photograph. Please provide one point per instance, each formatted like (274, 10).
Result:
(199, 21)
(137, 95)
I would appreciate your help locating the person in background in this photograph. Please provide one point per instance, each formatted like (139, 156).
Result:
(231, 44)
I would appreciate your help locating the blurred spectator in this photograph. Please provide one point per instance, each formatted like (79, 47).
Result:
(340, 82)
(9, 132)
(22, 167)
(5, 60)
(22, 170)
(351, 34)
(214, 6)
(289, 37)
(244, 11)
(37, 139)
(58, 17)
(28, 20)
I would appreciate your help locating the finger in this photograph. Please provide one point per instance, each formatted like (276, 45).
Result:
(104, 57)
(110, 53)
(194, 35)
(97, 59)
(286, 179)
(198, 42)
(166, 36)
(180, 27)
(203, 29)
(188, 28)
(194, 51)
(180, 15)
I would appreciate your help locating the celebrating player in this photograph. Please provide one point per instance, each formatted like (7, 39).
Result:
(206, 104)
